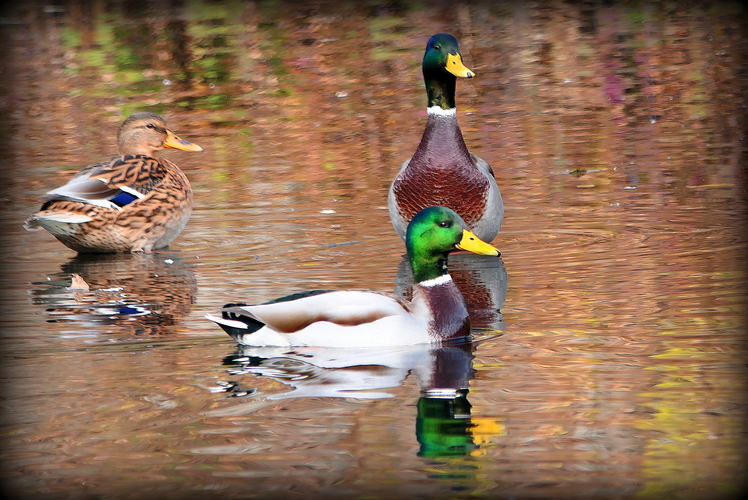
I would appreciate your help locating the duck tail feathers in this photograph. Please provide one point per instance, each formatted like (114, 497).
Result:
(236, 321)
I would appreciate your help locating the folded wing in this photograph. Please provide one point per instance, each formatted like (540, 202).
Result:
(112, 185)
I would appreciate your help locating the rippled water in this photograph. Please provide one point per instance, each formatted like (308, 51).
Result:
(609, 353)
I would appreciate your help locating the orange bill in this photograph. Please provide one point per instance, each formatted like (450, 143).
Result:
(472, 243)
(172, 141)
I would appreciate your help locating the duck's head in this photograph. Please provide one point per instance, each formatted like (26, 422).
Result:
(145, 133)
(432, 235)
(443, 55)
(442, 64)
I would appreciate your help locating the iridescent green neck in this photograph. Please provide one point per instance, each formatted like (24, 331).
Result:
(440, 87)
(426, 264)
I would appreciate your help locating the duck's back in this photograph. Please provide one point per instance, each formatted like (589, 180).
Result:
(131, 203)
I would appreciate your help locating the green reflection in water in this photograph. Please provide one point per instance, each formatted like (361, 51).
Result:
(443, 427)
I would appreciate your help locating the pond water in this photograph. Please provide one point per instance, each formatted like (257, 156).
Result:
(608, 358)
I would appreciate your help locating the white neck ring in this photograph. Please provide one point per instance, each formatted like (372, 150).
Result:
(436, 110)
(439, 280)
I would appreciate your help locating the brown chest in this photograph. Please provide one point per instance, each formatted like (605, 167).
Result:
(464, 190)
(449, 314)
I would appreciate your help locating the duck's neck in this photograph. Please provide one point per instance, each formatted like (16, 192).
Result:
(137, 149)
(442, 137)
(442, 143)
(440, 90)
(440, 280)
(430, 270)
(447, 310)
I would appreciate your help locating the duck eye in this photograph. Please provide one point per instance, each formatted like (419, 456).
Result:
(444, 223)
(150, 125)
(437, 47)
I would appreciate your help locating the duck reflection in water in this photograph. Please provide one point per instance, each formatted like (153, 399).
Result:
(443, 423)
(138, 294)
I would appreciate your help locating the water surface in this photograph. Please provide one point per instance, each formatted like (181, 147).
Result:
(608, 358)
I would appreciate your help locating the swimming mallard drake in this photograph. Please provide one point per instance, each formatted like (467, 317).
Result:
(136, 202)
(442, 171)
(356, 318)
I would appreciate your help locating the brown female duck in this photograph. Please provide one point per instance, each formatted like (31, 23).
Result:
(136, 202)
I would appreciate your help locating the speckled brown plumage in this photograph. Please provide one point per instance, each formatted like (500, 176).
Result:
(163, 212)
(136, 202)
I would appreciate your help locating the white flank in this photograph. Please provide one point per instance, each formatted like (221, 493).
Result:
(227, 322)
(105, 204)
(440, 280)
(64, 217)
(436, 110)
(98, 203)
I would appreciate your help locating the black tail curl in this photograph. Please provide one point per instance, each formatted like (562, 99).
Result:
(235, 312)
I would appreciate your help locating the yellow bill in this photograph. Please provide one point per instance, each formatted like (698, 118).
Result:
(472, 243)
(455, 66)
(172, 141)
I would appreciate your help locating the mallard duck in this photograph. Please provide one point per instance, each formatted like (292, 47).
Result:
(356, 318)
(442, 171)
(136, 202)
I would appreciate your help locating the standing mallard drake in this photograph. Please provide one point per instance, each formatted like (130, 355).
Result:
(442, 171)
(355, 318)
(137, 202)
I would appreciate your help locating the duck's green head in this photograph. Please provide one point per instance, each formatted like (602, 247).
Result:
(442, 63)
(432, 234)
